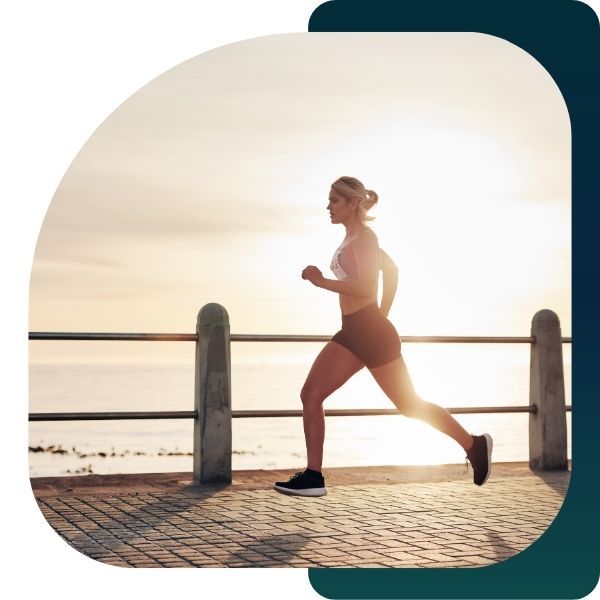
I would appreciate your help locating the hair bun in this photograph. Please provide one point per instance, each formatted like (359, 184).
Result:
(371, 197)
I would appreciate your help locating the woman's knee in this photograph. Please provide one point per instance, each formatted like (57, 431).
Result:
(311, 396)
(413, 407)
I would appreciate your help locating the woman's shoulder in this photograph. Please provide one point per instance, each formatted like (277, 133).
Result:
(367, 235)
(366, 239)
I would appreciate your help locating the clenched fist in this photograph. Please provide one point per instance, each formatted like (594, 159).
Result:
(313, 274)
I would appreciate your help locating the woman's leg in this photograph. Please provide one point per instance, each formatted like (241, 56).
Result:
(394, 380)
(334, 365)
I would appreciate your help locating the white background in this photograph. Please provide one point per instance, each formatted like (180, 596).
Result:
(65, 66)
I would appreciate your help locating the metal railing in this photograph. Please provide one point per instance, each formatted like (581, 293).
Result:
(192, 337)
(252, 414)
(217, 328)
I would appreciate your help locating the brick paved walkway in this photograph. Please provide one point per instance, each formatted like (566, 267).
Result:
(430, 520)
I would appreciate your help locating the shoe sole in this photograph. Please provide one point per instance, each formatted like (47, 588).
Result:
(489, 444)
(311, 492)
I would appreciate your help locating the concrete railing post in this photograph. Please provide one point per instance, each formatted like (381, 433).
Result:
(547, 426)
(212, 428)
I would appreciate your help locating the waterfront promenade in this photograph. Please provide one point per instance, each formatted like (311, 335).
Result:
(371, 517)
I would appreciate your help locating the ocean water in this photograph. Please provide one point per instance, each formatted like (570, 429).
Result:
(449, 375)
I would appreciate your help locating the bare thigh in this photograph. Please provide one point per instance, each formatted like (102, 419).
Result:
(333, 366)
(394, 380)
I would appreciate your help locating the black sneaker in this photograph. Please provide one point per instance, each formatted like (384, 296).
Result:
(480, 457)
(303, 483)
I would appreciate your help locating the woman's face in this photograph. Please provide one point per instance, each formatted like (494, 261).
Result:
(340, 209)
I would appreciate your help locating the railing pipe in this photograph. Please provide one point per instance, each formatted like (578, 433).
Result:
(112, 416)
(252, 414)
(117, 337)
(251, 337)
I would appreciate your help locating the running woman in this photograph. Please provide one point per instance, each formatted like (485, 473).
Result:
(367, 338)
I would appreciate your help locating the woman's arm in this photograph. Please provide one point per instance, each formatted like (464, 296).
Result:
(366, 250)
(390, 282)
(348, 287)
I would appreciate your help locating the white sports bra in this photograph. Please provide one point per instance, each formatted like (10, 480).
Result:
(343, 263)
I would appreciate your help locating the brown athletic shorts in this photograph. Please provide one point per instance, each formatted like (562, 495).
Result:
(370, 336)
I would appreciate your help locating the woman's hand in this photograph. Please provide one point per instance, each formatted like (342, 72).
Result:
(313, 274)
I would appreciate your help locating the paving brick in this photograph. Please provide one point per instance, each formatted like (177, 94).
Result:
(427, 545)
(329, 552)
(478, 560)
(430, 555)
(368, 554)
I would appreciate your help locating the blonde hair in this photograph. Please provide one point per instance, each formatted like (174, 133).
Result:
(350, 187)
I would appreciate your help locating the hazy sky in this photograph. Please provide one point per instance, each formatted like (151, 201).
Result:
(210, 185)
